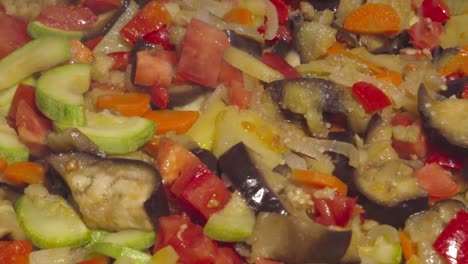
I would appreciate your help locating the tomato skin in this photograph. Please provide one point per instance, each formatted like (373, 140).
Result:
(152, 17)
(121, 60)
(101, 6)
(370, 97)
(436, 10)
(436, 181)
(12, 34)
(67, 17)
(25, 93)
(157, 68)
(452, 243)
(280, 65)
(160, 37)
(425, 34)
(207, 193)
(186, 238)
(201, 55)
(15, 252)
(445, 159)
(336, 211)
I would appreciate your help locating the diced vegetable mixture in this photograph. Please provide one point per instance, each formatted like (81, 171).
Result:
(234, 131)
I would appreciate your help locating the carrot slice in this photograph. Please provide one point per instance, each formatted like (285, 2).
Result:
(25, 172)
(239, 15)
(127, 104)
(406, 245)
(80, 53)
(459, 63)
(319, 179)
(173, 120)
(3, 164)
(373, 19)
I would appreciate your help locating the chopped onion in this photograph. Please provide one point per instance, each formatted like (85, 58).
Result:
(315, 148)
(294, 161)
(271, 26)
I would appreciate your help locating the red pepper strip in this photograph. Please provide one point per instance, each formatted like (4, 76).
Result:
(436, 10)
(370, 97)
(280, 65)
(159, 96)
(282, 10)
(452, 243)
(152, 17)
(160, 37)
(445, 159)
(121, 60)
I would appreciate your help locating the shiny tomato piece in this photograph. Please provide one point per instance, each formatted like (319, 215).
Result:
(239, 95)
(151, 18)
(201, 55)
(121, 60)
(436, 10)
(192, 169)
(452, 243)
(160, 37)
(425, 34)
(25, 93)
(336, 211)
(186, 238)
(15, 252)
(159, 96)
(279, 64)
(155, 69)
(445, 159)
(101, 6)
(32, 128)
(436, 181)
(370, 97)
(67, 17)
(12, 34)
(227, 255)
(207, 193)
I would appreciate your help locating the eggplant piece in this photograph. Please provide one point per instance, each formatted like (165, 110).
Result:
(455, 87)
(445, 116)
(423, 228)
(180, 95)
(321, 5)
(112, 193)
(345, 37)
(292, 240)
(207, 157)
(244, 43)
(104, 23)
(312, 97)
(71, 139)
(312, 39)
(280, 48)
(399, 213)
(246, 177)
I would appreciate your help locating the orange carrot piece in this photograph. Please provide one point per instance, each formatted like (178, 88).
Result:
(373, 19)
(239, 15)
(172, 120)
(459, 63)
(25, 172)
(127, 104)
(406, 245)
(80, 53)
(319, 179)
(3, 164)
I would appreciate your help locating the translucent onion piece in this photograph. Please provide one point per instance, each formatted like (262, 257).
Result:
(271, 26)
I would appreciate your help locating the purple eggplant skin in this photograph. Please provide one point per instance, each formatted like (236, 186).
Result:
(445, 119)
(455, 87)
(105, 22)
(244, 43)
(281, 48)
(399, 213)
(208, 158)
(321, 5)
(131, 193)
(241, 170)
(297, 240)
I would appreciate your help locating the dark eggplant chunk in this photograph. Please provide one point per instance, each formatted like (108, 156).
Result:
(455, 87)
(325, 4)
(345, 37)
(447, 117)
(183, 94)
(208, 158)
(293, 239)
(71, 139)
(399, 213)
(103, 24)
(244, 43)
(312, 97)
(112, 193)
(423, 228)
(281, 48)
(242, 171)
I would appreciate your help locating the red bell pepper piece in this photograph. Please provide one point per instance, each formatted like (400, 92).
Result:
(282, 10)
(280, 65)
(152, 17)
(436, 10)
(452, 243)
(159, 96)
(15, 252)
(121, 60)
(370, 97)
(160, 37)
(445, 159)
